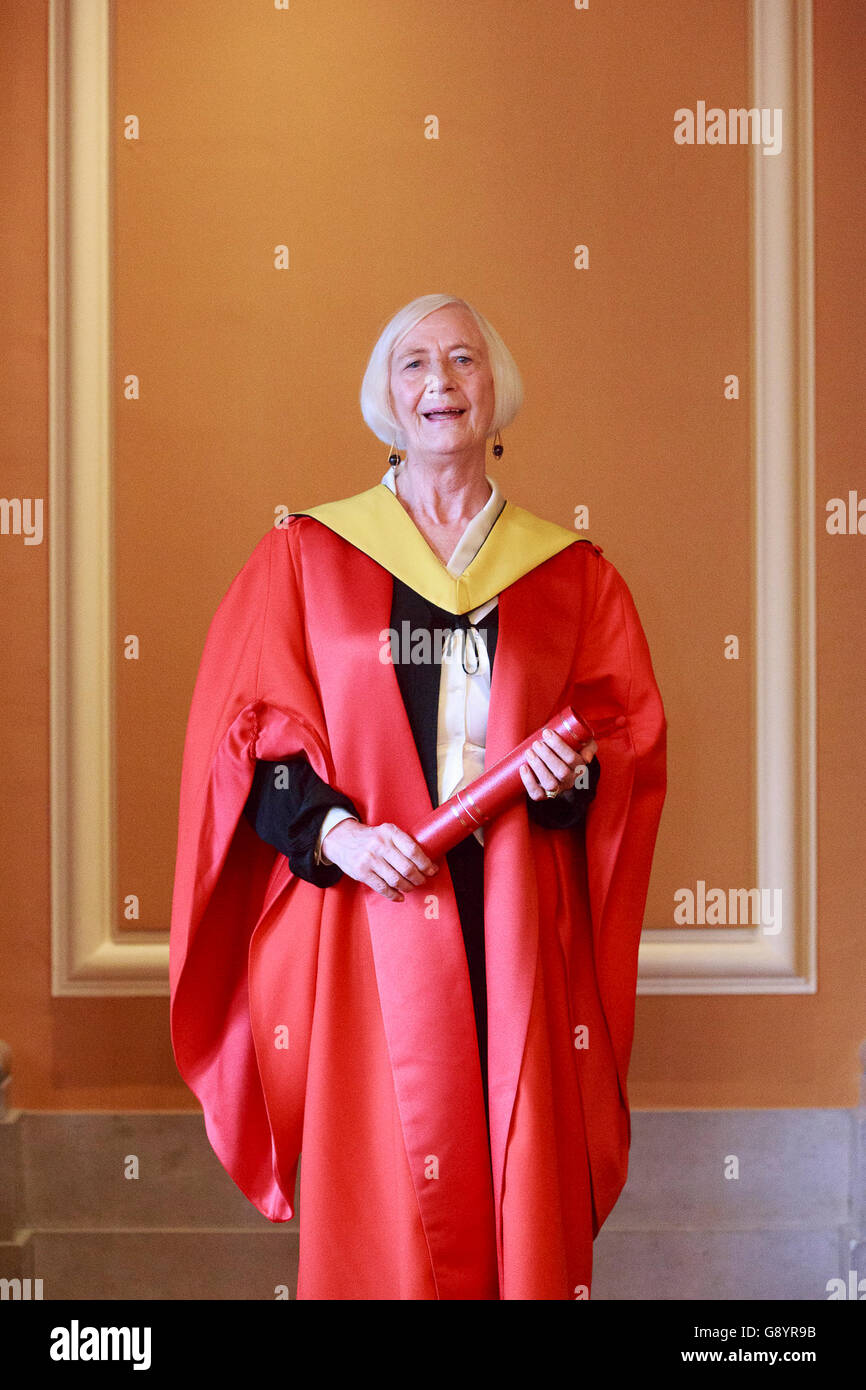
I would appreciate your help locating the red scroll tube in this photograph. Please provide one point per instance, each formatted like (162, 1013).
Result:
(498, 788)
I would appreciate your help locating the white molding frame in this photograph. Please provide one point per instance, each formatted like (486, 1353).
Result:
(89, 956)
(744, 960)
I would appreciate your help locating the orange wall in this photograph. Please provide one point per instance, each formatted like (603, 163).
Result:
(249, 376)
(691, 1051)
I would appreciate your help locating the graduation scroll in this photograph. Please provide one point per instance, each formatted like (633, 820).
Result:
(498, 788)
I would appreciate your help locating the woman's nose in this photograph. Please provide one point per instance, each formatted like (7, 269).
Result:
(437, 377)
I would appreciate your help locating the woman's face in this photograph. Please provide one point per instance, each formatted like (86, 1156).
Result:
(442, 386)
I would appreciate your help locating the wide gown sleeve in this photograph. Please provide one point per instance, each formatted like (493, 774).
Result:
(254, 698)
(615, 688)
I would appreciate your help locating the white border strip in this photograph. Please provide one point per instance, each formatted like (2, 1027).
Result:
(89, 957)
(703, 961)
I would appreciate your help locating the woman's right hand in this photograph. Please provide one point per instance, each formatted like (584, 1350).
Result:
(384, 857)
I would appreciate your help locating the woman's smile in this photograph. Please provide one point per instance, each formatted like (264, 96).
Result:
(442, 416)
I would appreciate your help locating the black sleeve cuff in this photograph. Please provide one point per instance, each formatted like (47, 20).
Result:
(560, 812)
(286, 806)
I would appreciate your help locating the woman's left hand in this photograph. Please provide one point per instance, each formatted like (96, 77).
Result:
(553, 766)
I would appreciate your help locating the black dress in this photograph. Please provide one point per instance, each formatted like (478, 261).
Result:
(288, 800)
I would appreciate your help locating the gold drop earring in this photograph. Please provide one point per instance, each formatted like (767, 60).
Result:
(498, 449)
(394, 457)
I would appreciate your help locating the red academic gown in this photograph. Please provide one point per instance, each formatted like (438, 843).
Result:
(338, 1023)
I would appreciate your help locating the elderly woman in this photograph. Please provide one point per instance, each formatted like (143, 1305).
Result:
(447, 1043)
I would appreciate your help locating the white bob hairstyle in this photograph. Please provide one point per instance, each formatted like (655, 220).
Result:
(375, 393)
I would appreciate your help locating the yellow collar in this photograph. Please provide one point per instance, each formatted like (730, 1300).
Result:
(376, 523)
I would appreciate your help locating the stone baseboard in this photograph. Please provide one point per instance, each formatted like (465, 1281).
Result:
(746, 1204)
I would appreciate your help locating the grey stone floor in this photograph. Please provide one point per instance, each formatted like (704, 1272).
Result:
(788, 1222)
